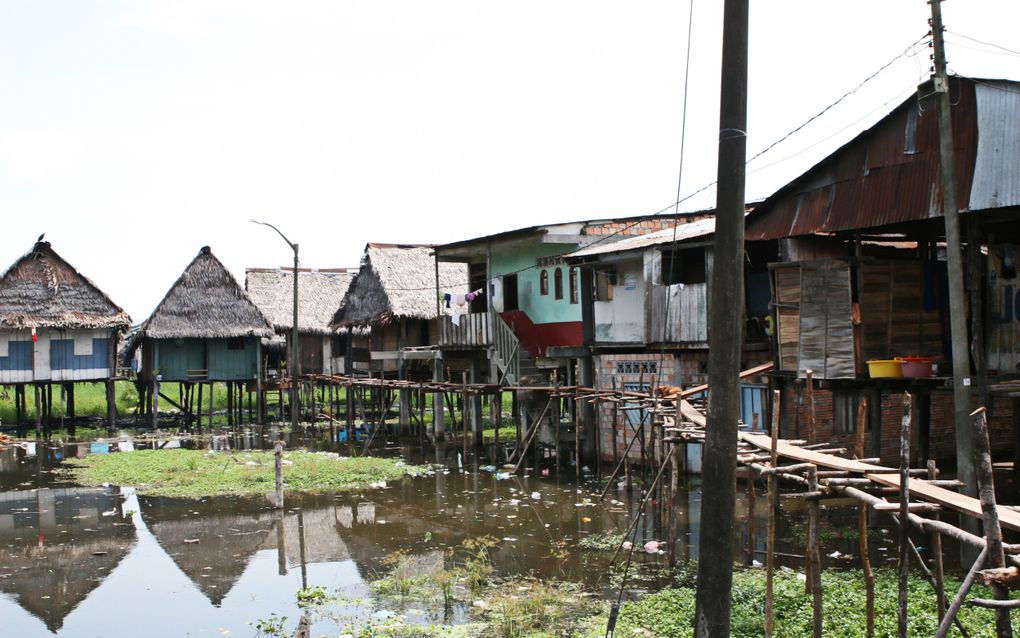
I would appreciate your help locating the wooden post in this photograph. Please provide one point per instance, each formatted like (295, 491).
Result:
(902, 536)
(154, 397)
(751, 497)
(814, 579)
(556, 422)
(935, 540)
(438, 426)
(990, 514)
(38, 411)
(810, 385)
(862, 528)
(230, 404)
(577, 440)
(199, 404)
(497, 412)
(773, 485)
(278, 458)
(212, 393)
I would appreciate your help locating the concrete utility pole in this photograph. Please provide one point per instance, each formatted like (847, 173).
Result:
(294, 347)
(725, 337)
(954, 257)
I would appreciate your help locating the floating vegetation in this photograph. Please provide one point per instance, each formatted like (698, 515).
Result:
(199, 473)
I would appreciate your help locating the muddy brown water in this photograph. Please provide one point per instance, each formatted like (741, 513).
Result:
(83, 561)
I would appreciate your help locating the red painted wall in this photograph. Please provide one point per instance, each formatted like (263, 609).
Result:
(538, 337)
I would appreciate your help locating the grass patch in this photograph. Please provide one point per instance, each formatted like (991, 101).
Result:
(198, 473)
(670, 612)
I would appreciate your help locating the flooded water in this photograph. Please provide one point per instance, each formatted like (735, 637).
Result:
(77, 561)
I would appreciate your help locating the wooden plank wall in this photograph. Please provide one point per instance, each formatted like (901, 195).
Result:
(894, 322)
(787, 293)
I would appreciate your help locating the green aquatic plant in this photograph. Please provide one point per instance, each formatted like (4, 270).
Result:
(198, 473)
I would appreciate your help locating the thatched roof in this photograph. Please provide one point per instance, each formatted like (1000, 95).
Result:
(41, 289)
(319, 295)
(397, 281)
(206, 302)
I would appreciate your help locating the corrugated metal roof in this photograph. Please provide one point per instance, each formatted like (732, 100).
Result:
(890, 173)
(997, 171)
(682, 232)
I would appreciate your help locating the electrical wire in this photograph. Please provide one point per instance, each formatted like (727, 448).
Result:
(908, 52)
(990, 44)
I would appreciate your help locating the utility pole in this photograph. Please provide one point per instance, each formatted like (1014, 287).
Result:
(725, 318)
(294, 348)
(954, 256)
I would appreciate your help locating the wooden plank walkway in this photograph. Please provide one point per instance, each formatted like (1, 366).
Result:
(917, 487)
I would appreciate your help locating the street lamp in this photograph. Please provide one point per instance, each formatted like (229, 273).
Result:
(294, 332)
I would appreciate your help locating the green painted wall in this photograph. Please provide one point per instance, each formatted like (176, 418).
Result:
(522, 260)
(175, 357)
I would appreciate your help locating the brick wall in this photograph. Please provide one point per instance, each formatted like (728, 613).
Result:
(941, 437)
(675, 369)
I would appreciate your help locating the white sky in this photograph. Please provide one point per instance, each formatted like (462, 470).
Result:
(134, 132)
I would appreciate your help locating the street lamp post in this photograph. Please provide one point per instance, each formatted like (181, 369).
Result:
(294, 333)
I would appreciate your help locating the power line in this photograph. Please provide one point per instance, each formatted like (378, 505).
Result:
(907, 52)
(990, 44)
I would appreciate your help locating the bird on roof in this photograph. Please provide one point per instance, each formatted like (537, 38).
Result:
(40, 238)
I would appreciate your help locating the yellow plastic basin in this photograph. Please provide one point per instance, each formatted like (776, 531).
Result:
(885, 369)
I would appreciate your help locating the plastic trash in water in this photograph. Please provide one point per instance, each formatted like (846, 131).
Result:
(488, 468)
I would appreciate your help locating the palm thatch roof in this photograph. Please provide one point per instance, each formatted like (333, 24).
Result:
(42, 290)
(397, 281)
(320, 292)
(205, 302)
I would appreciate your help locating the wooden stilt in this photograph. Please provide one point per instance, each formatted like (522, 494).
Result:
(230, 404)
(862, 529)
(990, 515)
(770, 543)
(902, 537)
(809, 384)
(814, 579)
(154, 397)
(199, 404)
(751, 498)
(935, 541)
(38, 411)
(212, 388)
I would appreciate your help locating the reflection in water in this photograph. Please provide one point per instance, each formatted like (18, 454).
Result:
(58, 545)
(72, 555)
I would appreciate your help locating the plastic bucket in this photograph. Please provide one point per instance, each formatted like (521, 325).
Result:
(917, 367)
(885, 368)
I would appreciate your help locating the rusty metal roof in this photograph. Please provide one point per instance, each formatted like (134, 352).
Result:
(889, 174)
(679, 233)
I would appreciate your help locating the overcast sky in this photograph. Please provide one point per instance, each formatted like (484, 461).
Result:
(133, 133)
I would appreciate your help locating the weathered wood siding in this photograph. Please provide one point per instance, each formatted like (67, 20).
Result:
(474, 331)
(678, 313)
(896, 318)
(826, 331)
(813, 308)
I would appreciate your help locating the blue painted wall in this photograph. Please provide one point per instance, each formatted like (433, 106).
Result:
(62, 356)
(19, 356)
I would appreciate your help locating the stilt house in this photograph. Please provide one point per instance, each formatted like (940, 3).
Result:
(56, 326)
(206, 329)
(393, 296)
(861, 275)
(645, 317)
(320, 293)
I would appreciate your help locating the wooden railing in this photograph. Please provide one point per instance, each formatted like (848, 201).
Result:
(507, 350)
(471, 331)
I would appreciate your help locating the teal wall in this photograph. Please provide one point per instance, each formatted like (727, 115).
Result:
(174, 357)
(522, 260)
